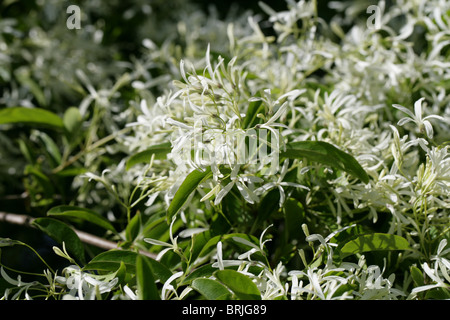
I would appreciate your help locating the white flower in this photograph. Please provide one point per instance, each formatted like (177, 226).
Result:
(23, 286)
(416, 117)
(246, 191)
(170, 246)
(440, 273)
(167, 287)
(84, 286)
(280, 184)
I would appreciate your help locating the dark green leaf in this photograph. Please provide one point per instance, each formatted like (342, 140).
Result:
(325, 153)
(133, 227)
(81, 213)
(294, 215)
(187, 187)
(160, 151)
(241, 285)
(374, 242)
(438, 294)
(211, 289)
(251, 118)
(145, 279)
(61, 232)
(33, 116)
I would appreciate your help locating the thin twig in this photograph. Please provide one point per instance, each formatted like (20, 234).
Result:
(25, 220)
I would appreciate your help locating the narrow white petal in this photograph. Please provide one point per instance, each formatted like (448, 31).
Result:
(407, 111)
(418, 109)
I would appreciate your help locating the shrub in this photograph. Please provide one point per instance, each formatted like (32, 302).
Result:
(183, 154)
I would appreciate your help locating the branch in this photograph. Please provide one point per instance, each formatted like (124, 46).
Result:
(24, 220)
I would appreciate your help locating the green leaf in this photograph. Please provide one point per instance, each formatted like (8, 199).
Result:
(112, 259)
(417, 276)
(187, 187)
(61, 232)
(51, 147)
(71, 172)
(241, 285)
(7, 242)
(212, 242)
(438, 294)
(198, 242)
(294, 215)
(72, 120)
(32, 116)
(145, 279)
(325, 153)
(160, 151)
(204, 271)
(374, 242)
(251, 118)
(133, 227)
(23, 76)
(46, 184)
(121, 273)
(73, 212)
(211, 289)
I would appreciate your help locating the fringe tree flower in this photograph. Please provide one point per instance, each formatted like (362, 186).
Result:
(422, 123)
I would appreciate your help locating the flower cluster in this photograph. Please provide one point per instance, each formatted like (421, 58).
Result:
(244, 89)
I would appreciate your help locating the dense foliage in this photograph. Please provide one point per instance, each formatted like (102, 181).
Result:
(124, 131)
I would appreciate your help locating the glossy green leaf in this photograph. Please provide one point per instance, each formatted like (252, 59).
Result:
(160, 151)
(325, 153)
(111, 260)
(211, 289)
(61, 232)
(184, 191)
(241, 285)
(204, 271)
(73, 212)
(32, 116)
(145, 279)
(374, 242)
